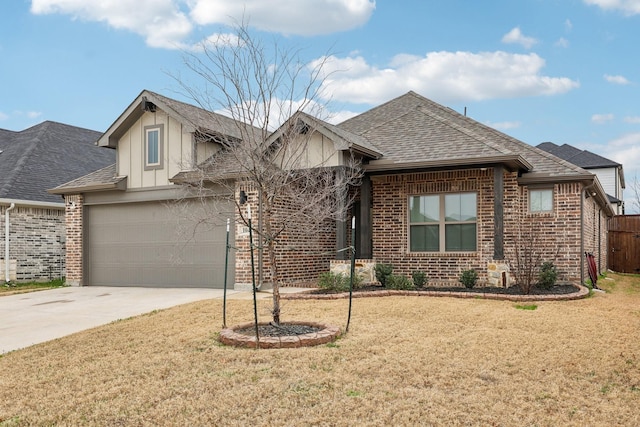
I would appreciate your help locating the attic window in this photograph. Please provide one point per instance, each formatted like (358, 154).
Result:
(153, 147)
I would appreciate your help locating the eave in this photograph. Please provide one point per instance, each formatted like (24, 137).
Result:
(511, 162)
(120, 184)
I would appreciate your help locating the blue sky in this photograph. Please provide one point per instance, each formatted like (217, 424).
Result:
(566, 71)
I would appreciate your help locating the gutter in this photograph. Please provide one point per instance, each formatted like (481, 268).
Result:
(7, 277)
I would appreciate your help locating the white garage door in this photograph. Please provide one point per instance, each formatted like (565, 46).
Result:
(144, 244)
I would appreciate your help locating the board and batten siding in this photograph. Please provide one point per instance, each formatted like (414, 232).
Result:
(177, 151)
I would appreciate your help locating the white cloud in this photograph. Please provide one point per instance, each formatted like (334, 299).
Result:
(169, 23)
(303, 17)
(632, 120)
(516, 36)
(601, 119)
(568, 25)
(444, 76)
(160, 21)
(504, 125)
(562, 42)
(628, 7)
(33, 114)
(3, 116)
(619, 80)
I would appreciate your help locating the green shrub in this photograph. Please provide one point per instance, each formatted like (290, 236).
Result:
(383, 271)
(469, 278)
(419, 279)
(337, 282)
(399, 282)
(548, 276)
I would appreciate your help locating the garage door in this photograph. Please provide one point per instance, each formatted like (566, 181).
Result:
(155, 245)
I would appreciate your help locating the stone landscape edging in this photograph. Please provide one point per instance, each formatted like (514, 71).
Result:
(582, 292)
(326, 334)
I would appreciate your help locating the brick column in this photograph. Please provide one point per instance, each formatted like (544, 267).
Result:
(73, 219)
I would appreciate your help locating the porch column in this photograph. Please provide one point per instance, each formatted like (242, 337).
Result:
(498, 212)
(74, 220)
(341, 225)
(364, 241)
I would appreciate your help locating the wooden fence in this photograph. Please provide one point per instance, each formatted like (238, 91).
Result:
(624, 244)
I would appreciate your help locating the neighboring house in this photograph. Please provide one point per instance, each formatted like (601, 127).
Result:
(32, 161)
(610, 173)
(441, 193)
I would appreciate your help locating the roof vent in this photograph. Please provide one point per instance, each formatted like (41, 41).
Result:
(147, 105)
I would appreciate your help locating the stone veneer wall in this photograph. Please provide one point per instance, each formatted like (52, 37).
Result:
(559, 236)
(36, 242)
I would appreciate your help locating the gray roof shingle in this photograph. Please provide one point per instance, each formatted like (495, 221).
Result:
(412, 128)
(583, 158)
(46, 155)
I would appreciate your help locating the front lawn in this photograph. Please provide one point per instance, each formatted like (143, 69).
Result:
(406, 361)
(19, 288)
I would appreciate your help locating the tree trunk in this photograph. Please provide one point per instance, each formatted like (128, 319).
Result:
(273, 267)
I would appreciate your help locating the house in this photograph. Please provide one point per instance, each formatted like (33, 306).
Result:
(32, 161)
(441, 193)
(610, 173)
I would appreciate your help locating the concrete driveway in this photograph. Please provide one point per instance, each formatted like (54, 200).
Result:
(35, 317)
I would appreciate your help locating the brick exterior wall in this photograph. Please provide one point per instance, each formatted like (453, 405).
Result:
(557, 233)
(301, 256)
(595, 232)
(558, 237)
(36, 242)
(74, 205)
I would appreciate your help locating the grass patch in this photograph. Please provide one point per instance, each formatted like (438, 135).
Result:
(526, 306)
(19, 288)
(405, 361)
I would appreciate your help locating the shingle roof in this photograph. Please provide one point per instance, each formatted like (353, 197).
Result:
(583, 158)
(412, 128)
(102, 179)
(198, 117)
(46, 155)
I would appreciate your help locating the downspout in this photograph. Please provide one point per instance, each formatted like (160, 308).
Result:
(7, 277)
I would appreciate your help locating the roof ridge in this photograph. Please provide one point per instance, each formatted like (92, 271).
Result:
(480, 138)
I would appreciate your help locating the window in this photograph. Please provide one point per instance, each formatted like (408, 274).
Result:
(153, 147)
(442, 223)
(541, 200)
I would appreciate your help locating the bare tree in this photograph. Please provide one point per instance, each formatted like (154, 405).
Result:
(530, 252)
(273, 100)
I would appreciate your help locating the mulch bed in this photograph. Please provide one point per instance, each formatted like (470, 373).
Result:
(513, 290)
(281, 330)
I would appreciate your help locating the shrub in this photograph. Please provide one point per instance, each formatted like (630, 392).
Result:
(419, 279)
(383, 271)
(469, 278)
(337, 282)
(548, 276)
(398, 282)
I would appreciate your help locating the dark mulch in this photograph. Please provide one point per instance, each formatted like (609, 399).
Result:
(513, 290)
(281, 330)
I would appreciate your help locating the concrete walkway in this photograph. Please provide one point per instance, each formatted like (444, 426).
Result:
(36, 317)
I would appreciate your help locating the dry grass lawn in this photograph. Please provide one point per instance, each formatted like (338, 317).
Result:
(405, 361)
